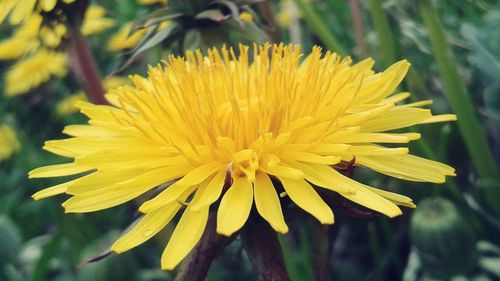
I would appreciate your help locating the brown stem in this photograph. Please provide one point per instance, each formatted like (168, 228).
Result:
(358, 28)
(321, 250)
(262, 246)
(204, 254)
(84, 65)
(267, 13)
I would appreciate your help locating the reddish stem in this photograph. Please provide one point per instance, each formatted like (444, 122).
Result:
(204, 254)
(84, 65)
(262, 246)
(358, 28)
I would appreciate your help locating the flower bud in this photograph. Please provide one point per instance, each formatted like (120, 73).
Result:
(443, 239)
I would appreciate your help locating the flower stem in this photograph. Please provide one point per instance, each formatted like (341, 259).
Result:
(457, 95)
(204, 254)
(84, 65)
(267, 13)
(321, 250)
(319, 27)
(261, 244)
(357, 22)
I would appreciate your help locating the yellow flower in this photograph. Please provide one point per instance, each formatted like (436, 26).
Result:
(284, 16)
(23, 41)
(52, 36)
(68, 105)
(8, 142)
(246, 16)
(121, 40)
(151, 2)
(219, 127)
(31, 72)
(94, 21)
(21, 10)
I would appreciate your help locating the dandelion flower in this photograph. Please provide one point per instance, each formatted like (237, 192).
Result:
(21, 10)
(31, 72)
(220, 130)
(95, 21)
(68, 105)
(23, 41)
(122, 40)
(9, 143)
(246, 16)
(152, 2)
(52, 36)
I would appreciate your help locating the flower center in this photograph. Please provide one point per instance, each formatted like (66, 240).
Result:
(245, 163)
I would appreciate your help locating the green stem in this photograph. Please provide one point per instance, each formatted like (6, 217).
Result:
(290, 264)
(319, 27)
(387, 44)
(468, 123)
(321, 250)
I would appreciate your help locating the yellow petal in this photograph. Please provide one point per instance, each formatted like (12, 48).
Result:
(268, 204)
(146, 228)
(440, 118)
(209, 192)
(365, 197)
(235, 206)
(321, 175)
(284, 171)
(397, 199)
(186, 235)
(396, 118)
(53, 190)
(371, 150)
(21, 11)
(48, 5)
(372, 137)
(110, 196)
(173, 192)
(309, 157)
(58, 170)
(304, 195)
(87, 131)
(408, 167)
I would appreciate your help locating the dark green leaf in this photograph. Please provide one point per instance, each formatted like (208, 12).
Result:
(155, 18)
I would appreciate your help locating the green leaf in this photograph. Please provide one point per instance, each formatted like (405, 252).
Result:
(492, 265)
(155, 18)
(151, 41)
(232, 7)
(192, 40)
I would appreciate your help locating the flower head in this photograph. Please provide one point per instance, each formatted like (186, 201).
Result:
(94, 21)
(123, 40)
(31, 72)
(23, 41)
(9, 143)
(21, 10)
(219, 127)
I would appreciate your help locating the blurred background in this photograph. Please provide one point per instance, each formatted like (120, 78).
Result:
(49, 60)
